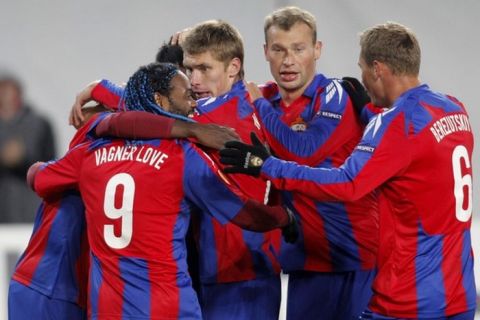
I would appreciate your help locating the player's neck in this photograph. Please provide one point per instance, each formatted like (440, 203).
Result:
(398, 85)
(289, 96)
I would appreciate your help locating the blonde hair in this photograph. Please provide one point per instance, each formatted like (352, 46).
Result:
(286, 17)
(393, 44)
(219, 38)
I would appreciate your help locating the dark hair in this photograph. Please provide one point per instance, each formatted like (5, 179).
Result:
(142, 85)
(171, 53)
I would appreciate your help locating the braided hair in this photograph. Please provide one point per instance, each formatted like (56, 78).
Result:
(142, 85)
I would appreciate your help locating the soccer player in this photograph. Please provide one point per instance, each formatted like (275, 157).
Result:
(239, 273)
(313, 122)
(50, 278)
(138, 196)
(417, 154)
(310, 119)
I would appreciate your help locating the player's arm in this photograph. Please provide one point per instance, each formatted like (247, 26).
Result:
(383, 152)
(144, 125)
(103, 92)
(213, 193)
(327, 131)
(51, 178)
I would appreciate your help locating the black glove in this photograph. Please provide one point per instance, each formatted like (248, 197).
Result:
(290, 231)
(356, 92)
(244, 158)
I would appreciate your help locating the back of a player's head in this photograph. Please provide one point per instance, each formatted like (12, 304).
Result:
(393, 44)
(170, 53)
(140, 90)
(218, 37)
(285, 18)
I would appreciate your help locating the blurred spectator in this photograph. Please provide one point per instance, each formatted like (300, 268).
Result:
(25, 137)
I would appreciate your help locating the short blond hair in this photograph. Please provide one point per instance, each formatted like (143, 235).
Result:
(393, 44)
(286, 17)
(219, 38)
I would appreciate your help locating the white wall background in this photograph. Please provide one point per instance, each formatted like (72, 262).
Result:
(58, 46)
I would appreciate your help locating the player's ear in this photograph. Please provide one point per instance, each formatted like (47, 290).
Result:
(161, 100)
(234, 67)
(318, 49)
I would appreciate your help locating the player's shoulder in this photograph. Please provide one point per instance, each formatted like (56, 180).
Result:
(209, 103)
(270, 90)
(84, 133)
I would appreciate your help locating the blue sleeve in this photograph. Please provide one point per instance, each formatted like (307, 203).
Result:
(314, 144)
(207, 188)
(384, 151)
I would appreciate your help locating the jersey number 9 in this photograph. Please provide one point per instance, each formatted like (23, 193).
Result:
(125, 212)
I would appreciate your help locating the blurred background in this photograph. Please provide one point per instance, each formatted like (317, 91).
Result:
(51, 49)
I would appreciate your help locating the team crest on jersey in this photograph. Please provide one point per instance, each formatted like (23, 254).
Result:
(298, 125)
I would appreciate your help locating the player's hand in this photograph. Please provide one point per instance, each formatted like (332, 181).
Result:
(290, 232)
(357, 93)
(76, 117)
(214, 136)
(179, 37)
(244, 158)
(253, 90)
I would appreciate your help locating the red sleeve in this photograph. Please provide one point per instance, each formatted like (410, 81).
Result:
(108, 94)
(58, 176)
(135, 125)
(81, 134)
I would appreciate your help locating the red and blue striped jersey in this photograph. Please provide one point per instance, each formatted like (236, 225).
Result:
(138, 197)
(418, 154)
(227, 253)
(55, 262)
(320, 129)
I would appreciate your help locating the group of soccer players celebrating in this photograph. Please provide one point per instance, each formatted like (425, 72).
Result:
(312, 179)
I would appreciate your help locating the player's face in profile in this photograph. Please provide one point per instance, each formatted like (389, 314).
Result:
(180, 101)
(371, 82)
(208, 76)
(292, 55)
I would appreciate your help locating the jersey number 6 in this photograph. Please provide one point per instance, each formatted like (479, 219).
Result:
(461, 182)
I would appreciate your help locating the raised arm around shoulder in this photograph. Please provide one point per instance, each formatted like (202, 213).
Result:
(144, 125)
(209, 135)
(135, 125)
(76, 117)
